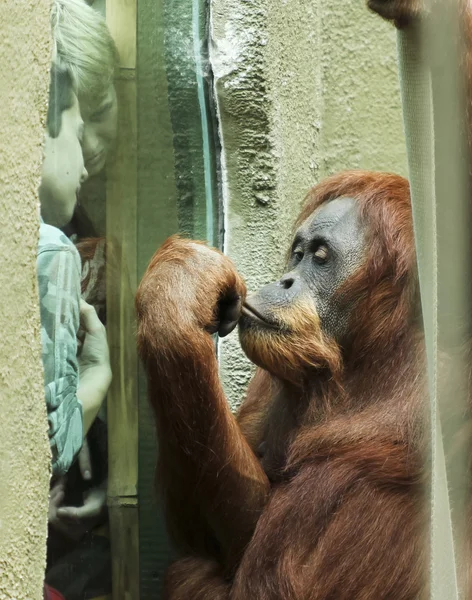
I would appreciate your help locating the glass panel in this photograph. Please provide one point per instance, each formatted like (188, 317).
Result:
(177, 191)
(150, 151)
(185, 56)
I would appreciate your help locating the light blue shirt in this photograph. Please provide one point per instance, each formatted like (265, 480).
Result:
(59, 270)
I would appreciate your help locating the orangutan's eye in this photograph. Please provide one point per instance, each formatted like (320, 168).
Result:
(321, 254)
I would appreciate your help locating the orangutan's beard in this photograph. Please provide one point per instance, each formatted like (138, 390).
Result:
(295, 346)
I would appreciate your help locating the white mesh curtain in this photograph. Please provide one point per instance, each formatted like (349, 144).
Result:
(434, 109)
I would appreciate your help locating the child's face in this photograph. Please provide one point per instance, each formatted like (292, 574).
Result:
(63, 169)
(100, 131)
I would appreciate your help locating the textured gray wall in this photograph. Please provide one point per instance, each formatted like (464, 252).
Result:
(24, 446)
(304, 89)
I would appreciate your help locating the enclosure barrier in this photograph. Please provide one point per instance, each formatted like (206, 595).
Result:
(434, 109)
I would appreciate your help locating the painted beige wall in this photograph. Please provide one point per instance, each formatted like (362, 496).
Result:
(304, 89)
(24, 447)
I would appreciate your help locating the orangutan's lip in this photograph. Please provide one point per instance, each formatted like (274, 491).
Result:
(253, 313)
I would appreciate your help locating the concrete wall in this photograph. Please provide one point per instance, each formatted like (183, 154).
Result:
(304, 89)
(24, 447)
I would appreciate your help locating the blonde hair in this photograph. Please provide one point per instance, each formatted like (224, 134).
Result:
(84, 44)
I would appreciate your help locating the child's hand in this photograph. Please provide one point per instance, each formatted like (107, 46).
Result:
(56, 497)
(85, 463)
(93, 358)
(94, 364)
(94, 346)
(76, 521)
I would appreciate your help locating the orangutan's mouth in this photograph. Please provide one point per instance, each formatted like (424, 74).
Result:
(251, 312)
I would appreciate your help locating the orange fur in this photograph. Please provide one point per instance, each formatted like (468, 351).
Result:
(319, 489)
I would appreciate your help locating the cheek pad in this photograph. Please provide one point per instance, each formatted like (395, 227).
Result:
(334, 316)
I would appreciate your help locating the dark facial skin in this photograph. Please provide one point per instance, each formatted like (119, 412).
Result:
(326, 251)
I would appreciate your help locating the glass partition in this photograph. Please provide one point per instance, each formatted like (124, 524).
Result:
(157, 176)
